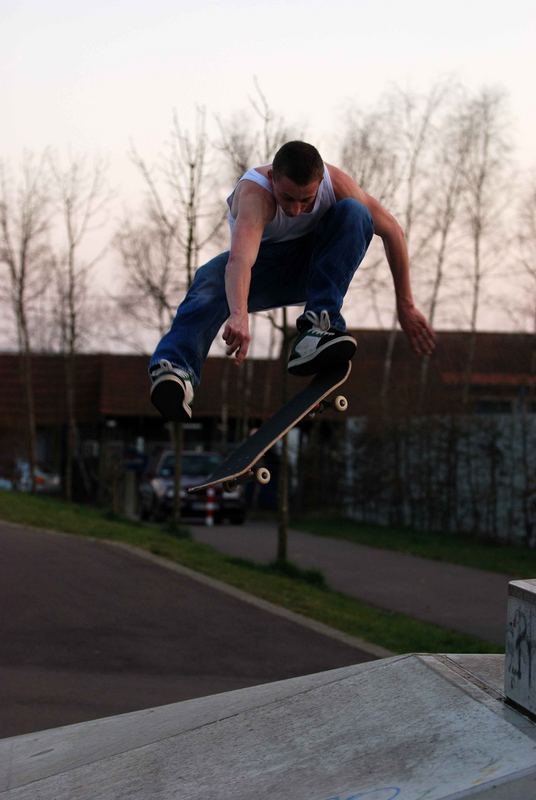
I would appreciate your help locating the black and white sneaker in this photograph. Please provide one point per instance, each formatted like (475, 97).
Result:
(320, 347)
(171, 391)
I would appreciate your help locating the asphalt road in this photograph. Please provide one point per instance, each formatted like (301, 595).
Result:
(88, 631)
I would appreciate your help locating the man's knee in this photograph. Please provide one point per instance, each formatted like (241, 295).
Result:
(210, 278)
(352, 212)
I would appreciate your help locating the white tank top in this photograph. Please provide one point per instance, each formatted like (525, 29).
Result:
(282, 228)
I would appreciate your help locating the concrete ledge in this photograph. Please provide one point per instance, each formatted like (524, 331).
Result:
(408, 727)
(523, 590)
(520, 659)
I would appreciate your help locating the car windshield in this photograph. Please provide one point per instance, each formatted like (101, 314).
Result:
(192, 464)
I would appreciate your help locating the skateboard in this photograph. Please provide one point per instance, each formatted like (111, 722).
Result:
(240, 465)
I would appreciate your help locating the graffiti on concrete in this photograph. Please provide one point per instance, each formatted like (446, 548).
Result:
(519, 649)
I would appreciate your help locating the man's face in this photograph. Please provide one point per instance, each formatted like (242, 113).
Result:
(294, 199)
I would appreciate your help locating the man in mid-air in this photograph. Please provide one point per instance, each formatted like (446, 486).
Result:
(299, 230)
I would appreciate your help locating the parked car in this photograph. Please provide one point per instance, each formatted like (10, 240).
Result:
(44, 481)
(156, 491)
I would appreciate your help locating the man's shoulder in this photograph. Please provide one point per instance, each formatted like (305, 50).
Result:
(253, 197)
(343, 184)
(263, 170)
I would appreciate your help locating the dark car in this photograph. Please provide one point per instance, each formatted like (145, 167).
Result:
(157, 489)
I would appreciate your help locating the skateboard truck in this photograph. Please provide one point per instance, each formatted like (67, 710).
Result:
(261, 475)
(339, 403)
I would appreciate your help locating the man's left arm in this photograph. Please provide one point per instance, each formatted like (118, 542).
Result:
(412, 322)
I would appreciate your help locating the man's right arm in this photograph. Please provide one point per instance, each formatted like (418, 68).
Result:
(253, 211)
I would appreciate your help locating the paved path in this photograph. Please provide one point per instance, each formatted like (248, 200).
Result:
(468, 600)
(88, 630)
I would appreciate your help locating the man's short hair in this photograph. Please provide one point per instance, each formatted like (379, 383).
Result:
(298, 161)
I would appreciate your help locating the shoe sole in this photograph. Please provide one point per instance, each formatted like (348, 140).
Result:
(167, 396)
(328, 355)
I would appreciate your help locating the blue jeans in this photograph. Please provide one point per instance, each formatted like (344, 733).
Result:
(315, 269)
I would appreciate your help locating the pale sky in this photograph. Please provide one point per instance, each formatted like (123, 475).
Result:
(94, 77)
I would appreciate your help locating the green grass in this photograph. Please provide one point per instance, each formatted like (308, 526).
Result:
(287, 587)
(453, 548)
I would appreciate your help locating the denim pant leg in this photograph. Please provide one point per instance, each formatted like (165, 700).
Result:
(339, 245)
(197, 321)
(278, 278)
(280, 274)
(315, 269)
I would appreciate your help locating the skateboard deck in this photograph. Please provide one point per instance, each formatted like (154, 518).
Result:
(240, 463)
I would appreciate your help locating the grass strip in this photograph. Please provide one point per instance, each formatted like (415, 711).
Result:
(469, 551)
(303, 594)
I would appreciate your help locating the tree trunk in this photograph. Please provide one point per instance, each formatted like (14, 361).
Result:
(177, 434)
(31, 432)
(282, 496)
(71, 425)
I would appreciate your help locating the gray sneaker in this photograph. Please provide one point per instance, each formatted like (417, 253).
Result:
(319, 347)
(172, 392)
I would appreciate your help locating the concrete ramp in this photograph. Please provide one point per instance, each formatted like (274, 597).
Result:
(410, 727)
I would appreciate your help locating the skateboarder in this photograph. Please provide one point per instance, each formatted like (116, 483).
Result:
(299, 230)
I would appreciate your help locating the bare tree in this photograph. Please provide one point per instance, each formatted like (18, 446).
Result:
(181, 216)
(390, 152)
(81, 197)
(196, 192)
(399, 152)
(482, 124)
(451, 155)
(527, 256)
(25, 252)
(370, 153)
(416, 117)
(241, 146)
(252, 136)
(238, 145)
(149, 254)
(526, 239)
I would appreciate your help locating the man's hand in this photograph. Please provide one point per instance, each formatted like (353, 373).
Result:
(236, 336)
(419, 332)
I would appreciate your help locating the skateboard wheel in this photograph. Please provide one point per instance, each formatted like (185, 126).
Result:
(263, 476)
(340, 403)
